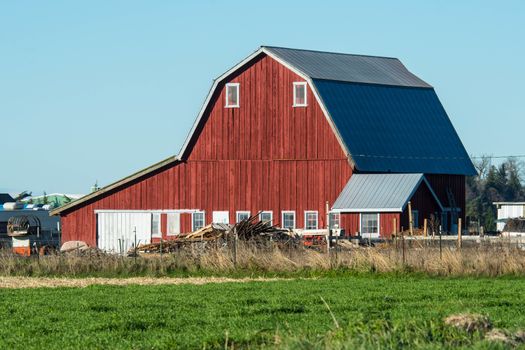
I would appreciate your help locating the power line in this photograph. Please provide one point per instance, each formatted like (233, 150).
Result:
(498, 157)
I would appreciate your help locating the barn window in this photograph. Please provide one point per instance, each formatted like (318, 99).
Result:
(173, 224)
(232, 95)
(334, 220)
(311, 220)
(243, 215)
(155, 225)
(197, 220)
(369, 224)
(288, 219)
(266, 216)
(299, 94)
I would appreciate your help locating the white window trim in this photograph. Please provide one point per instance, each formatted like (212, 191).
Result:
(240, 212)
(156, 234)
(266, 212)
(306, 212)
(237, 85)
(193, 219)
(300, 83)
(378, 224)
(168, 224)
(294, 218)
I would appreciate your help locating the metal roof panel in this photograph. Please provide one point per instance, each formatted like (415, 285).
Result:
(365, 192)
(394, 129)
(348, 67)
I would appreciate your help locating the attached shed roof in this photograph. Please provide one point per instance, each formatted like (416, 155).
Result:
(348, 67)
(379, 192)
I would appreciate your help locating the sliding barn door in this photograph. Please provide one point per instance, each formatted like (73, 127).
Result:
(116, 231)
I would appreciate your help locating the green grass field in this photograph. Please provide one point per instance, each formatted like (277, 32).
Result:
(373, 311)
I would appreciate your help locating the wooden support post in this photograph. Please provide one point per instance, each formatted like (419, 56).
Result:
(410, 219)
(459, 233)
(394, 227)
(425, 227)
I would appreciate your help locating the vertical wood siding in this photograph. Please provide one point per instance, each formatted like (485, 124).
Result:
(265, 155)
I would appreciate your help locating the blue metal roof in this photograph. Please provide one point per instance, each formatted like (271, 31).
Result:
(394, 129)
(379, 192)
(348, 67)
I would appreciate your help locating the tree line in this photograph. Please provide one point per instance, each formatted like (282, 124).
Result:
(494, 183)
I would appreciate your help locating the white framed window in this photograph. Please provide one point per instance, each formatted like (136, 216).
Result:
(415, 219)
(334, 220)
(299, 94)
(155, 225)
(369, 225)
(173, 224)
(266, 216)
(242, 215)
(197, 220)
(288, 219)
(311, 220)
(232, 95)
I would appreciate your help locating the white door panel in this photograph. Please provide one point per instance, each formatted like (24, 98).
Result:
(116, 231)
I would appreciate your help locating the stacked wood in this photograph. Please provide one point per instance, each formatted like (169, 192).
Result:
(250, 229)
(254, 229)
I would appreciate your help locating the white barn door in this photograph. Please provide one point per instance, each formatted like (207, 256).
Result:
(116, 230)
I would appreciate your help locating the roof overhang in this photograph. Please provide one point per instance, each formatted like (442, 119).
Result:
(399, 209)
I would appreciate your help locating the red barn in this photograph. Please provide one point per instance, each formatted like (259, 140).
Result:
(282, 133)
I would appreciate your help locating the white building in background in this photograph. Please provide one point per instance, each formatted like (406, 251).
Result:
(508, 210)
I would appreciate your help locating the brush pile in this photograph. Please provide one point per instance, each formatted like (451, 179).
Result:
(248, 230)
(515, 225)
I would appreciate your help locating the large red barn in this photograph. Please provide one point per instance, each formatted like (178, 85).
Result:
(282, 133)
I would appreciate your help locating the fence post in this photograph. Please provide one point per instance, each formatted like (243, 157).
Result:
(425, 227)
(403, 245)
(440, 246)
(459, 233)
(235, 247)
(410, 219)
(135, 244)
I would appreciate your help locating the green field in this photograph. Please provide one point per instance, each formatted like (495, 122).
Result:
(373, 311)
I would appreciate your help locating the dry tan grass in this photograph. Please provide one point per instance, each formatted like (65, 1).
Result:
(493, 260)
(46, 282)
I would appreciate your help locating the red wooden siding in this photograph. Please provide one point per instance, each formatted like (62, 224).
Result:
(423, 202)
(265, 155)
(350, 221)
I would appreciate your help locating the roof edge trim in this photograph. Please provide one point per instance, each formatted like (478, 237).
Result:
(114, 185)
(263, 50)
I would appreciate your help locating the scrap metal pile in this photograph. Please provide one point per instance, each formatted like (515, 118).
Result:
(249, 230)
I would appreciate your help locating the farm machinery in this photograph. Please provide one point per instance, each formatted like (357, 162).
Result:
(28, 237)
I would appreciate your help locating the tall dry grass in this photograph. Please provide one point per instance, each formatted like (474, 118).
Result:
(252, 260)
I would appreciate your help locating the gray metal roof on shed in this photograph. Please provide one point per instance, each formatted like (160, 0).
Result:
(348, 67)
(379, 192)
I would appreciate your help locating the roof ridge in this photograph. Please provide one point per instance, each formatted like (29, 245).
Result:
(330, 52)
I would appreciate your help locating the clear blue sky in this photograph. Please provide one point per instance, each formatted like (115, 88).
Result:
(95, 90)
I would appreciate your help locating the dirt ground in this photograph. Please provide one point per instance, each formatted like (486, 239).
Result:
(46, 282)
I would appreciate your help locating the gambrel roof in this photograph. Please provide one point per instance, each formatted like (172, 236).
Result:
(386, 119)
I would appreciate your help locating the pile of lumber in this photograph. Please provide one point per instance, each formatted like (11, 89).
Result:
(253, 229)
(250, 229)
